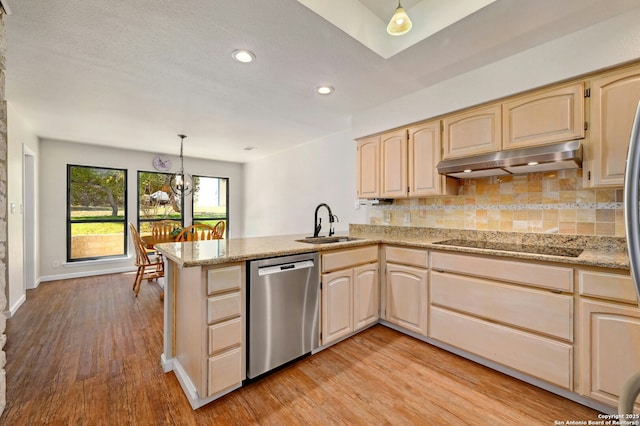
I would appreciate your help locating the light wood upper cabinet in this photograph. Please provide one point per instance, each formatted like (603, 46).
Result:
(471, 132)
(425, 148)
(542, 117)
(393, 148)
(407, 164)
(368, 167)
(614, 99)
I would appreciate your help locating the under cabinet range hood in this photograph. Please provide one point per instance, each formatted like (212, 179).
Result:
(559, 156)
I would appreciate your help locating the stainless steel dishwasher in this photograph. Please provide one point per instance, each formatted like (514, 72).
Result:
(283, 310)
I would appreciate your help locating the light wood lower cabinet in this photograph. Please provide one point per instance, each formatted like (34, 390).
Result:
(350, 292)
(505, 312)
(210, 327)
(610, 334)
(366, 293)
(535, 355)
(406, 288)
(530, 309)
(225, 316)
(337, 305)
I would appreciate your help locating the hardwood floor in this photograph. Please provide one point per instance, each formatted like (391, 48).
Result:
(86, 352)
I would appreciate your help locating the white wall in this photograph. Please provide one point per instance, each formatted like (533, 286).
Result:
(283, 190)
(608, 43)
(54, 157)
(20, 135)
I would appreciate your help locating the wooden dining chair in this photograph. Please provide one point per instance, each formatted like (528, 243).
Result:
(201, 231)
(165, 229)
(149, 266)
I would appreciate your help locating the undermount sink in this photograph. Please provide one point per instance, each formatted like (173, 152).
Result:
(326, 240)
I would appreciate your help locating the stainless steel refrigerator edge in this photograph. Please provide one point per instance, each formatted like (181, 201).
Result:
(284, 310)
(631, 388)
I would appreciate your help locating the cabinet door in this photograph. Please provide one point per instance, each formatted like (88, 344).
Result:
(393, 148)
(542, 117)
(614, 99)
(224, 371)
(610, 350)
(366, 287)
(368, 167)
(406, 294)
(337, 305)
(425, 152)
(472, 132)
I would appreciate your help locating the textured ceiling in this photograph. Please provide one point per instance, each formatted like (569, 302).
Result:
(135, 73)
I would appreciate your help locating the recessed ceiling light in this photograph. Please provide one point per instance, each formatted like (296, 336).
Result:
(467, 170)
(244, 56)
(324, 90)
(532, 163)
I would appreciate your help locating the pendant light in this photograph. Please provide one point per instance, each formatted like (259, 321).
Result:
(181, 182)
(400, 23)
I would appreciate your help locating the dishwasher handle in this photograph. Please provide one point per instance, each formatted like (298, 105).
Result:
(286, 267)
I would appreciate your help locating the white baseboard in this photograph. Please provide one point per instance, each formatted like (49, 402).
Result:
(190, 390)
(35, 285)
(167, 364)
(13, 309)
(86, 274)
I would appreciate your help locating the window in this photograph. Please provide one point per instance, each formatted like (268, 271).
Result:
(210, 201)
(156, 201)
(96, 212)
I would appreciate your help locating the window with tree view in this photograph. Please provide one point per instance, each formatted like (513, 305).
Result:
(96, 212)
(210, 200)
(156, 201)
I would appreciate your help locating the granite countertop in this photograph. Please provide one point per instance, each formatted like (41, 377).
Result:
(607, 252)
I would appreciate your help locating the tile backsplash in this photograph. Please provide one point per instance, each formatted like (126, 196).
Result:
(549, 202)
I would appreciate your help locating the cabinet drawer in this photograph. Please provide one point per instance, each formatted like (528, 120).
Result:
(537, 356)
(348, 258)
(607, 285)
(225, 335)
(225, 370)
(536, 310)
(224, 279)
(223, 307)
(545, 276)
(407, 256)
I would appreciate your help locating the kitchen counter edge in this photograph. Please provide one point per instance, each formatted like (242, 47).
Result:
(218, 252)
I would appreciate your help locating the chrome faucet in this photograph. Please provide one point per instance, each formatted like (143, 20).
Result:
(317, 223)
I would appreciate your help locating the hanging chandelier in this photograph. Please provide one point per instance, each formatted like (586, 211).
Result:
(181, 182)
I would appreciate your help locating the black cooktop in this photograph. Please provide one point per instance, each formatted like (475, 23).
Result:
(520, 248)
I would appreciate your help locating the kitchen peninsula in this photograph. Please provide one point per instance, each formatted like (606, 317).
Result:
(422, 289)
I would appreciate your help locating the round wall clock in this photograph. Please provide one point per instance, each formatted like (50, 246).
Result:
(162, 163)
